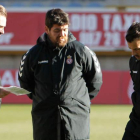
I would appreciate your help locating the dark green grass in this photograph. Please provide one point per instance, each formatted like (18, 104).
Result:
(107, 122)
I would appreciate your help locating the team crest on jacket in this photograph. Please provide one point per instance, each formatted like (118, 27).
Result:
(69, 59)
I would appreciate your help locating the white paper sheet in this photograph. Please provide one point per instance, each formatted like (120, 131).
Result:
(16, 90)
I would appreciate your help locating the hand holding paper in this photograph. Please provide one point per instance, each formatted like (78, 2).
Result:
(3, 92)
(13, 89)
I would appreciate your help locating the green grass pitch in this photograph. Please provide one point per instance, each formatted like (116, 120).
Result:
(107, 122)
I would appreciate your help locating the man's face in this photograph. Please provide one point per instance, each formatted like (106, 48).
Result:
(135, 47)
(58, 35)
(2, 24)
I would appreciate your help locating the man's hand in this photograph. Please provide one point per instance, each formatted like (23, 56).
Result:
(3, 92)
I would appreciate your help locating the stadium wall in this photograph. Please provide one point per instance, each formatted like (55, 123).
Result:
(102, 30)
(116, 89)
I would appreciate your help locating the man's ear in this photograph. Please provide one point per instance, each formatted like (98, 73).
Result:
(46, 29)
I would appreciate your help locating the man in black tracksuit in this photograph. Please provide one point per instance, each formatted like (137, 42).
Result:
(132, 130)
(63, 76)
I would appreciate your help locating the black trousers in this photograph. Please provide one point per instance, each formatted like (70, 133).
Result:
(129, 132)
(129, 136)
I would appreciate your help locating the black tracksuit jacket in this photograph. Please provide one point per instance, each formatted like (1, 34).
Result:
(62, 82)
(134, 124)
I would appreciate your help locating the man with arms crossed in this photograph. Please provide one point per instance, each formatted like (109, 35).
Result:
(132, 130)
(63, 76)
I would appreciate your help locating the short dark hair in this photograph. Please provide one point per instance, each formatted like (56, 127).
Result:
(133, 32)
(3, 11)
(56, 16)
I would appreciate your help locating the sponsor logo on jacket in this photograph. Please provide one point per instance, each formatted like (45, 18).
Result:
(43, 61)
